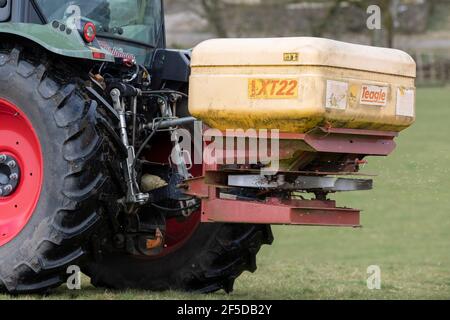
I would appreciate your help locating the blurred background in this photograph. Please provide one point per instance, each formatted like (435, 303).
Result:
(420, 27)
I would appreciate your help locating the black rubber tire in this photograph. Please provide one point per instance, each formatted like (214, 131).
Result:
(209, 261)
(75, 176)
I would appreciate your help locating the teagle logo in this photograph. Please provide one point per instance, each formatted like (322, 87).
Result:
(374, 95)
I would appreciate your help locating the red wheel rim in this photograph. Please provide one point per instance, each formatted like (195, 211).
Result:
(19, 141)
(178, 232)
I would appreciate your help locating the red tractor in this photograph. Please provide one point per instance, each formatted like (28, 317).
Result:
(161, 169)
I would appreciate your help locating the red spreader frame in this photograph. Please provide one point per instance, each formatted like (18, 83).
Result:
(216, 208)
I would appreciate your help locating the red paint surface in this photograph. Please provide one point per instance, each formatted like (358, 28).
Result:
(19, 140)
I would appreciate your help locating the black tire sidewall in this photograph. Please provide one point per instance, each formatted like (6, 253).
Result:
(23, 92)
(210, 260)
(120, 270)
(68, 209)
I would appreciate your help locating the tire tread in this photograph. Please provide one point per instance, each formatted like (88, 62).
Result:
(42, 261)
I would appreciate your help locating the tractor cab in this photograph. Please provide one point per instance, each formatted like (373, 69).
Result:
(124, 28)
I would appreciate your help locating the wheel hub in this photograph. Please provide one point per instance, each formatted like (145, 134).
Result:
(9, 175)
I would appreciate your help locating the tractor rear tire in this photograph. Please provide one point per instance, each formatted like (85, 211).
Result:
(211, 260)
(67, 208)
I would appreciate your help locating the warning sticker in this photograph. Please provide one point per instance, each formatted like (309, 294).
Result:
(374, 95)
(405, 102)
(337, 95)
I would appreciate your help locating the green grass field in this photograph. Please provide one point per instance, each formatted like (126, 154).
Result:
(406, 232)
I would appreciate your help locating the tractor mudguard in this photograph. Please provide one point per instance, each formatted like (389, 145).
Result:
(56, 37)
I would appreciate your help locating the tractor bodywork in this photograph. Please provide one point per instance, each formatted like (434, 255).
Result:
(51, 38)
(146, 205)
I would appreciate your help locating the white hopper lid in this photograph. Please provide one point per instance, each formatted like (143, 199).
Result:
(311, 52)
